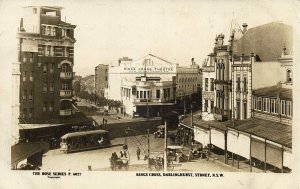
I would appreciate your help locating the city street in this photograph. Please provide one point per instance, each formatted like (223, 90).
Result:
(98, 159)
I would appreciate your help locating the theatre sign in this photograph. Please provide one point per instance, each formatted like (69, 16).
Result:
(150, 64)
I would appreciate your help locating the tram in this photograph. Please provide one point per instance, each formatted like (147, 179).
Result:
(85, 140)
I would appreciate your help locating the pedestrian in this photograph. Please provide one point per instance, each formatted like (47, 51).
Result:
(138, 153)
(121, 154)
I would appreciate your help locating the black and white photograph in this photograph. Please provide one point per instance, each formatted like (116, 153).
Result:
(150, 90)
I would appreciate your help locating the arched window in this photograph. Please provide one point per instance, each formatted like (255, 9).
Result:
(223, 71)
(289, 75)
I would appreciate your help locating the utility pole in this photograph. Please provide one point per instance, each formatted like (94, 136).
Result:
(165, 152)
(148, 148)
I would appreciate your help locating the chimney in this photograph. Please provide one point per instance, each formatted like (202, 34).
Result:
(244, 27)
(193, 62)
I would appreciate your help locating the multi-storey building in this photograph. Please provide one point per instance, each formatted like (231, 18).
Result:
(222, 80)
(149, 86)
(101, 79)
(241, 76)
(46, 45)
(208, 95)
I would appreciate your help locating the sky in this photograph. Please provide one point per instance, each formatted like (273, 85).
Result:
(174, 30)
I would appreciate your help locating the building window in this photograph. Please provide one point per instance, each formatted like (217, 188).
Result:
(30, 95)
(65, 86)
(24, 94)
(289, 108)
(48, 31)
(51, 70)
(259, 107)
(264, 104)
(245, 110)
(157, 93)
(254, 102)
(137, 94)
(129, 92)
(141, 94)
(145, 94)
(273, 106)
(63, 32)
(45, 68)
(44, 87)
(238, 82)
(245, 84)
(211, 84)
(205, 105)
(54, 31)
(211, 106)
(289, 75)
(30, 113)
(282, 107)
(43, 30)
(24, 113)
(238, 110)
(51, 107)
(24, 57)
(51, 87)
(25, 76)
(47, 50)
(31, 57)
(45, 106)
(223, 70)
(168, 92)
(31, 76)
(105, 78)
(206, 84)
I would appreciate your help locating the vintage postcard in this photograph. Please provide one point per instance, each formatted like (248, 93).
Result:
(129, 93)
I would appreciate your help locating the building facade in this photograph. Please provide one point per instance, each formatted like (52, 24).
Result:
(223, 80)
(101, 79)
(147, 87)
(241, 76)
(46, 46)
(208, 94)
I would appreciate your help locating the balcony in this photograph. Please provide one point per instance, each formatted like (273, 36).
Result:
(65, 93)
(65, 112)
(66, 75)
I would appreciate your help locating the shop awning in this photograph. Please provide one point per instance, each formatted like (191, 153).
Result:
(21, 151)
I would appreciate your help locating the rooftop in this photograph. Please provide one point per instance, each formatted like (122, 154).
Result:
(273, 131)
(273, 91)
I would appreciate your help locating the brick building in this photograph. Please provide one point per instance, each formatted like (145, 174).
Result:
(46, 46)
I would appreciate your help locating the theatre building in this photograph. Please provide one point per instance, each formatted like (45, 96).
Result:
(147, 87)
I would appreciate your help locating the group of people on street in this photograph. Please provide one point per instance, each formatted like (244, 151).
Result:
(114, 155)
(123, 154)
